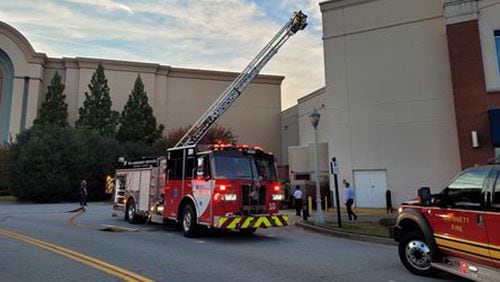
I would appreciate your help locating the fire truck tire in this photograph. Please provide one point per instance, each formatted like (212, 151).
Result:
(130, 212)
(188, 221)
(248, 231)
(415, 254)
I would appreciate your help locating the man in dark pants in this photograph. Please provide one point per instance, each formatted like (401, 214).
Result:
(83, 193)
(349, 200)
(297, 195)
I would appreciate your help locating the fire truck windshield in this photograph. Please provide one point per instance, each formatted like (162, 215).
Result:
(236, 165)
(265, 167)
(233, 167)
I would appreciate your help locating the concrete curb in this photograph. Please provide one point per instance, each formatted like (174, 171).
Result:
(346, 235)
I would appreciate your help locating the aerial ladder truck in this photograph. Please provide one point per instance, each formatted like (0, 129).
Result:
(218, 185)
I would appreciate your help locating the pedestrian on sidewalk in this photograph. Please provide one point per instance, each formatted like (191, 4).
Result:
(83, 193)
(349, 200)
(297, 195)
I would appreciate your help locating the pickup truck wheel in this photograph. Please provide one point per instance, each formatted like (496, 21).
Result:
(130, 212)
(415, 254)
(188, 221)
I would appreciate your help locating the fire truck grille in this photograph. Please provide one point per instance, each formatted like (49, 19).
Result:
(253, 199)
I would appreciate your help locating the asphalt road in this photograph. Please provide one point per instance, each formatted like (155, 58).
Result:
(162, 253)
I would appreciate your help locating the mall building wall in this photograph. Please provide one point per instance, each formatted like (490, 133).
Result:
(389, 95)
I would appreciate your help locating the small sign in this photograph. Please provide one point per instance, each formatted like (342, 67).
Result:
(334, 167)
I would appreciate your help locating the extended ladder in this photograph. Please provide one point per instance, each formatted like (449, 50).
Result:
(234, 90)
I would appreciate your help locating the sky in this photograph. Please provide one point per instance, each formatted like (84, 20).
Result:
(220, 35)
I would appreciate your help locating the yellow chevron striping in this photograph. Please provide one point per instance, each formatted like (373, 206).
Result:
(285, 218)
(260, 221)
(247, 222)
(277, 221)
(235, 221)
(460, 246)
(222, 220)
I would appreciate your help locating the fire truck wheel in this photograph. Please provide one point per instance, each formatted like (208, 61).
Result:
(415, 254)
(188, 221)
(130, 213)
(248, 231)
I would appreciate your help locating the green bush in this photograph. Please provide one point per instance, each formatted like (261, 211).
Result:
(47, 163)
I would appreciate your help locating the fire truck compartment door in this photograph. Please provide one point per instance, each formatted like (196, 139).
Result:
(202, 193)
(145, 183)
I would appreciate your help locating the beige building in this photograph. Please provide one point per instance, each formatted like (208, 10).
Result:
(298, 141)
(301, 156)
(178, 96)
(389, 95)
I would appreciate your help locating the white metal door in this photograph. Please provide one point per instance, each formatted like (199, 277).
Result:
(370, 187)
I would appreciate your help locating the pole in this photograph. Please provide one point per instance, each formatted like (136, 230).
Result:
(319, 211)
(337, 201)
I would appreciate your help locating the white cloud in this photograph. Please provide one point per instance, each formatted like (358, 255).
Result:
(208, 34)
(109, 5)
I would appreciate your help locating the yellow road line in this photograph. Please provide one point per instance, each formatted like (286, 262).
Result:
(96, 263)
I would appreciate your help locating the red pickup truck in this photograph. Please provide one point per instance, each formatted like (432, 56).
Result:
(456, 230)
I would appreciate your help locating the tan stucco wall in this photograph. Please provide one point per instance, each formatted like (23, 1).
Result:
(315, 100)
(389, 90)
(178, 96)
(289, 131)
(300, 147)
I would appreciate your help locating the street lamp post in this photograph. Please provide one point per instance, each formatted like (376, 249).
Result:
(314, 116)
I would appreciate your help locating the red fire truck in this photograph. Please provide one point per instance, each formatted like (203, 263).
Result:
(219, 186)
(456, 230)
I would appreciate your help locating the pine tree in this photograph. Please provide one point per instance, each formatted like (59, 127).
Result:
(96, 112)
(137, 122)
(54, 109)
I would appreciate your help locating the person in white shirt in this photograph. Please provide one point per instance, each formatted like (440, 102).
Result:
(297, 195)
(349, 200)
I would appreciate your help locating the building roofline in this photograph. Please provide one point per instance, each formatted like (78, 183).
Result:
(311, 95)
(23, 43)
(221, 75)
(292, 108)
(120, 65)
(171, 72)
(341, 4)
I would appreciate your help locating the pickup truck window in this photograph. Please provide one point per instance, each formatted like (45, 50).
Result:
(465, 191)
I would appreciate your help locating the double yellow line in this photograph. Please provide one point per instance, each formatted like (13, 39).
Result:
(114, 270)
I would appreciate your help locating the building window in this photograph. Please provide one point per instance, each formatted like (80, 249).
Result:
(497, 47)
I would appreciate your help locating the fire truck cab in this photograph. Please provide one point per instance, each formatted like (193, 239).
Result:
(456, 230)
(218, 186)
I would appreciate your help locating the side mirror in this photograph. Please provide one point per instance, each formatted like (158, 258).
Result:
(424, 196)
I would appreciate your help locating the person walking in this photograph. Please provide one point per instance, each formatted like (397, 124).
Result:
(297, 195)
(83, 193)
(349, 200)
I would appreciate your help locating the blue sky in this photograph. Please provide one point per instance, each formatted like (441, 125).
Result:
(205, 34)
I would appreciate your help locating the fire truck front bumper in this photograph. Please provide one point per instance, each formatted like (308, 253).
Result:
(255, 221)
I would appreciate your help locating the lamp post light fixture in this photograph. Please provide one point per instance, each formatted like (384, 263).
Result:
(314, 117)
